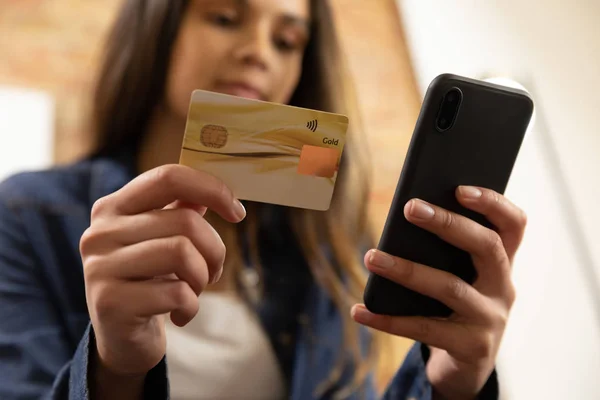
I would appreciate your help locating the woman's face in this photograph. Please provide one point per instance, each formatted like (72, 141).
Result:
(246, 48)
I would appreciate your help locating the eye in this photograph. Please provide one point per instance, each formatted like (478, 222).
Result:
(225, 20)
(285, 45)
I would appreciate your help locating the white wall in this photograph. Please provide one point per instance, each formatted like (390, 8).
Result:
(552, 345)
(26, 130)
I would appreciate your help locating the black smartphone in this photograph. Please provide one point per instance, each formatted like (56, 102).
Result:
(469, 132)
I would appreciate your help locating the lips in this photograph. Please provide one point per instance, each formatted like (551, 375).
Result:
(240, 89)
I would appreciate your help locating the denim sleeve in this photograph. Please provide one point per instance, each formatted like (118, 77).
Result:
(411, 380)
(72, 381)
(36, 361)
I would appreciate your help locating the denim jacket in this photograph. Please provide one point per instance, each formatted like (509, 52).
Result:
(45, 330)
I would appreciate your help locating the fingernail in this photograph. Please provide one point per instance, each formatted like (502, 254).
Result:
(381, 259)
(420, 210)
(470, 192)
(240, 210)
(218, 275)
(360, 313)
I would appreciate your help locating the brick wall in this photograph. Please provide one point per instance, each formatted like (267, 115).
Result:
(53, 45)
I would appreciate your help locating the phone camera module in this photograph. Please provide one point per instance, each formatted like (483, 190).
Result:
(449, 109)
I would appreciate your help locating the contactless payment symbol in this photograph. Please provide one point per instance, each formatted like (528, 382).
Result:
(312, 125)
(214, 136)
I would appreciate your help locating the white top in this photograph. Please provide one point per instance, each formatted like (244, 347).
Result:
(223, 353)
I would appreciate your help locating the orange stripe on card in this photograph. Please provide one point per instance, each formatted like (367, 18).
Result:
(318, 161)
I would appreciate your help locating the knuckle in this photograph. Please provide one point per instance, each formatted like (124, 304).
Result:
(86, 241)
(456, 289)
(221, 191)
(483, 346)
(187, 221)
(100, 207)
(492, 200)
(495, 247)
(165, 176)
(496, 197)
(96, 238)
(494, 241)
(92, 267)
(511, 295)
(501, 320)
(105, 302)
(179, 247)
(448, 220)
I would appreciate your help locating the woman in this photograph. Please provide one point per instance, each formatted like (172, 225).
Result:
(93, 256)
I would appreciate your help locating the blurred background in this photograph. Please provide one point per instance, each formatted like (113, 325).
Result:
(48, 55)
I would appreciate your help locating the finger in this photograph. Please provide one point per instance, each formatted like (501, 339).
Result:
(132, 229)
(484, 245)
(443, 334)
(201, 210)
(443, 286)
(153, 258)
(509, 219)
(156, 297)
(162, 186)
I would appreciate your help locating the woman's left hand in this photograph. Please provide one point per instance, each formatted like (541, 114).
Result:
(464, 346)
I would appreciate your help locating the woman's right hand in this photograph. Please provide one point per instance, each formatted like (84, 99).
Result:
(149, 252)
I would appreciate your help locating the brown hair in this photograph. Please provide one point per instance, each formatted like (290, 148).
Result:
(132, 83)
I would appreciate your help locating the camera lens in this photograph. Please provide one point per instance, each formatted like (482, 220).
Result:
(452, 96)
(450, 105)
(443, 123)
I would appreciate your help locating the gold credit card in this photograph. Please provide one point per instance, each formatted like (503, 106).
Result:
(265, 152)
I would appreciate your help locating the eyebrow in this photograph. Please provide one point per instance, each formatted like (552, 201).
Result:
(288, 19)
(294, 20)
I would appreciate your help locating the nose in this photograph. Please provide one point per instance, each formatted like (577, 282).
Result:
(254, 47)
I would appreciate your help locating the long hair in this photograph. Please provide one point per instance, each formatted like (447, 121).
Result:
(131, 84)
